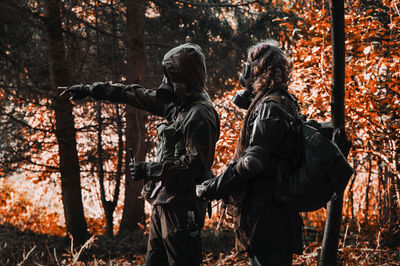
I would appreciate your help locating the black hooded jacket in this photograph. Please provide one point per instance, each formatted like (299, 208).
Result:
(261, 223)
(186, 141)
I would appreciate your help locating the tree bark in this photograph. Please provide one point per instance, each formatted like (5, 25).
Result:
(350, 191)
(334, 213)
(65, 128)
(135, 119)
(367, 187)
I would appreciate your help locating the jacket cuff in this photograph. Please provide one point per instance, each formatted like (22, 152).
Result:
(260, 153)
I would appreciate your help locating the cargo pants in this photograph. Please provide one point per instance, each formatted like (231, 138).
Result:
(174, 237)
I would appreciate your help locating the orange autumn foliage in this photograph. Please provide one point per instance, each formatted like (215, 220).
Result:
(21, 209)
(372, 116)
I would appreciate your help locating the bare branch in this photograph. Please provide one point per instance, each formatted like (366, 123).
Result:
(25, 124)
(217, 4)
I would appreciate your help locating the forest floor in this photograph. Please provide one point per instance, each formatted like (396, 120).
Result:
(28, 248)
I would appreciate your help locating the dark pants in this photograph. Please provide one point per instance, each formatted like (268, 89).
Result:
(174, 237)
(272, 257)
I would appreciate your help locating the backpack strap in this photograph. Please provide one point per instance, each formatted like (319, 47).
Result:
(285, 102)
(297, 158)
(280, 99)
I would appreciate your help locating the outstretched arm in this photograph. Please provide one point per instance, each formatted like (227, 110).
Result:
(132, 94)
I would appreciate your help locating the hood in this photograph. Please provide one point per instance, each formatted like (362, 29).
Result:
(186, 64)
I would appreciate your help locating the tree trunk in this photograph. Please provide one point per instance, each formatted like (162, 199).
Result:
(334, 213)
(367, 188)
(350, 191)
(135, 119)
(65, 129)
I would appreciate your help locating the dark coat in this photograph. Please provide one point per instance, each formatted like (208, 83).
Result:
(186, 142)
(260, 223)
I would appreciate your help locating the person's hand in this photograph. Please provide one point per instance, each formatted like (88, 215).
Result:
(139, 170)
(76, 92)
(201, 190)
(340, 138)
(249, 166)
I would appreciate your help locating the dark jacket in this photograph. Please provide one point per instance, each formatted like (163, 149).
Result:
(260, 223)
(186, 142)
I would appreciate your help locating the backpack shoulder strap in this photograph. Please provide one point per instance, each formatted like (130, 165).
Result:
(283, 101)
(298, 157)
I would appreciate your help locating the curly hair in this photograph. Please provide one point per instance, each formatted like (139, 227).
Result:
(270, 66)
(270, 70)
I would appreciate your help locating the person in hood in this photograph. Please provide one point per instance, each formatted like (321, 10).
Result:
(267, 150)
(185, 152)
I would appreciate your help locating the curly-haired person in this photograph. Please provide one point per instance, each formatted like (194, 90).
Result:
(267, 150)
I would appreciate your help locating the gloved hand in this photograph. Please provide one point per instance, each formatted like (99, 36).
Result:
(139, 170)
(249, 166)
(203, 188)
(340, 138)
(229, 182)
(78, 92)
(165, 92)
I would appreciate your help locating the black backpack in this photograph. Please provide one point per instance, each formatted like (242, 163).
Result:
(323, 171)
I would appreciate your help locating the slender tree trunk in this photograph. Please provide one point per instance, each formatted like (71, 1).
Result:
(108, 211)
(135, 129)
(65, 129)
(350, 190)
(108, 205)
(387, 194)
(379, 197)
(334, 213)
(119, 123)
(367, 190)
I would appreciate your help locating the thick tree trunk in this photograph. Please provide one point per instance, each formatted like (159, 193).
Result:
(65, 129)
(135, 129)
(334, 213)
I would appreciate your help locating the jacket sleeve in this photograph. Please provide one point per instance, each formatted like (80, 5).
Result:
(201, 131)
(132, 94)
(267, 137)
(269, 130)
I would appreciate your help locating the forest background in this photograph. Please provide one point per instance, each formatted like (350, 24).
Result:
(62, 164)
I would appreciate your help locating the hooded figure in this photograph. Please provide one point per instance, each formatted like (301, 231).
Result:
(185, 152)
(267, 150)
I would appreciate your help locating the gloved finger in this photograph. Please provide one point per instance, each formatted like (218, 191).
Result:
(65, 91)
(62, 89)
(200, 190)
(207, 182)
(338, 135)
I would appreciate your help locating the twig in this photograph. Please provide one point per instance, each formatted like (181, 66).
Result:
(378, 240)
(369, 120)
(345, 236)
(217, 4)
(86, 245)
(55, 256)
(48, 251)
(397, 10)
(220, 219)
(26, 256)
